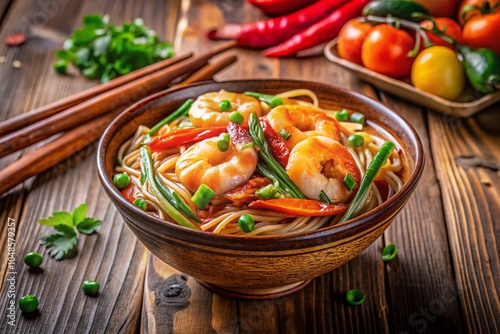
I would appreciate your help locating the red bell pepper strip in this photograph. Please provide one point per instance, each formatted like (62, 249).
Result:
(278, 147)
(184, 136)
(299, 207)
(129, 192)
(267, 33)
(322, 31)
(280, 7)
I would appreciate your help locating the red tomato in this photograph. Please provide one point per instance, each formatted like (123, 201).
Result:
(451, 28)
(385, 50)
(462, 18)
(439, 8)
(481, 31)
(351, 38)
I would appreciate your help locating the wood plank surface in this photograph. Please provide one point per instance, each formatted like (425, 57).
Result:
(113, 256)
(422, 289)
(467, 163)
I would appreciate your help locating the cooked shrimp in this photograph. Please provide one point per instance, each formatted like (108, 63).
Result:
(302, 122)
(204, 163)
(206, 112)
(320, 163)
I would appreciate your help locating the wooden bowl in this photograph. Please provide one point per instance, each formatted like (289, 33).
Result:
(265, 266)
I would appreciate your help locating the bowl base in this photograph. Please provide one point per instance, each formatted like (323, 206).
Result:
(264, 293)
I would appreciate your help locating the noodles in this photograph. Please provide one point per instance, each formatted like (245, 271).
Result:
(225, 209)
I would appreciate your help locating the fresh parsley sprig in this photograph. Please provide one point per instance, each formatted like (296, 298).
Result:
(63, 243)
(105, 51)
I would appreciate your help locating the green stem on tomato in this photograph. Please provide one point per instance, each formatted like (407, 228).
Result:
(163, 202)
(273, 166)
(359, 200)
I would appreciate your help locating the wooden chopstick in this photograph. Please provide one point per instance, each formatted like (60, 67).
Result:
(129, 93)
(53, 108)
(43, 158)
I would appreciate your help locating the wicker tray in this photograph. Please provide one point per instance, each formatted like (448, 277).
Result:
(466, 105)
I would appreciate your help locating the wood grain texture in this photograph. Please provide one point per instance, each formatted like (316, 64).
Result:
(472, 204)
(113, 257)
(421, 289)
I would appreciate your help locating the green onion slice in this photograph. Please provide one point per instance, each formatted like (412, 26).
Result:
(272, 100)
(284, 134)
(359, 200)
(267, 192)
(357, 117)
(182, 111)
(202, 196)
(323, 197)
(349, 182)
(355, 297)
(389, 252)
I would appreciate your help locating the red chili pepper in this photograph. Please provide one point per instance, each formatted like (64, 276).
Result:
(184, 136)
(15, 39)
(280, 7)
(277, 144)
(263, 34)
(129, 192)
(323, 31)
(299, 207)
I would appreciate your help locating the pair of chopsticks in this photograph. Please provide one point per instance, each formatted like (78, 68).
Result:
(84, 116)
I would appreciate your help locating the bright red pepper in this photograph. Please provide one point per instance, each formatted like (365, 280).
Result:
(322, 31)
(184, 136)
(129, 192)
(264, 34)
(299, 207)
(278, 147)
(280, 7)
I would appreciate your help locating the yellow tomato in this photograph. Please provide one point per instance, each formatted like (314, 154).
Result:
(437, 70)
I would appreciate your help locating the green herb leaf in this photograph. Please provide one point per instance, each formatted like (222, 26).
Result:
(62, 243)
(88, 226)
(58, 218)
(79, 213)
(102, 50)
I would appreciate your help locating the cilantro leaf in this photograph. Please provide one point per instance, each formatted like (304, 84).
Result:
(79, 213)
(88, 225)
(104, 51)
(62, 243)
(58, 218)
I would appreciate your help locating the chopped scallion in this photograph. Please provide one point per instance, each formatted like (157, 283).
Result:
(389, 252)
(357, 117)
(323, 197)
(272, 100)
(202, 196)
(349, 182)
(182, 111)
(284, 134)
(355, 297)
(266, 192)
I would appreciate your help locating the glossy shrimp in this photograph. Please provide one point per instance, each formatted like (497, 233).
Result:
(302, 122)
(204, 163)
(206, 111)
(320, 164)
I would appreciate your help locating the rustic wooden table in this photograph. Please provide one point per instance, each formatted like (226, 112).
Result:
(445, 279)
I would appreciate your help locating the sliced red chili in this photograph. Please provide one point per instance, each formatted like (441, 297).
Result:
(15, 39)
(276, 143)
(184, 136)
(299, 207)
